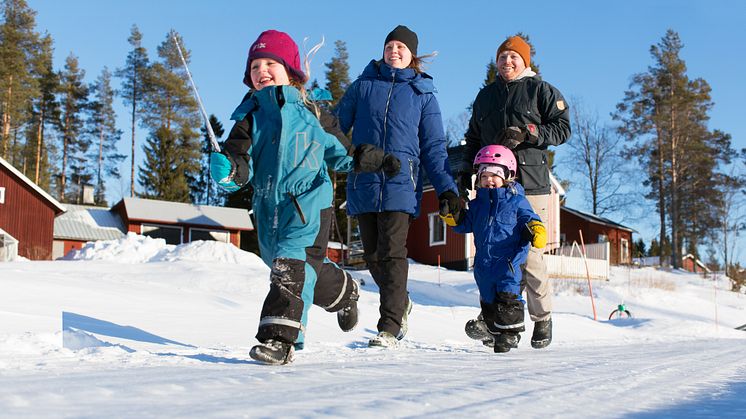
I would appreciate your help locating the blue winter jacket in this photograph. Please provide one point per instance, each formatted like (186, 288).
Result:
(396, 110)
(497, 217)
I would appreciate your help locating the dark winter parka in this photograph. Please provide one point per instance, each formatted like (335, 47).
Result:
(528, 100)
(396, 110)
(497, 217)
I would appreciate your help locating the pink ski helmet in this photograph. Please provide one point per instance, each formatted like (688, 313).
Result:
(497, 155)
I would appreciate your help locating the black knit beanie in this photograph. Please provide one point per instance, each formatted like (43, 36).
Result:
(404, 35)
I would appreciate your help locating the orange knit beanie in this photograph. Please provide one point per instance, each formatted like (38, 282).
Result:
(517, 44)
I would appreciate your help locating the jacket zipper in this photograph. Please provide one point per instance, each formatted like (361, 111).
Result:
(411, 174)
(298, 209)
(385, 130)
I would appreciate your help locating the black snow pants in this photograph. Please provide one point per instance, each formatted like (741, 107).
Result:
(293, 288)
(384, 236)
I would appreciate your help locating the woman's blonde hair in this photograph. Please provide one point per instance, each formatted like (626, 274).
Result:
(418, 64)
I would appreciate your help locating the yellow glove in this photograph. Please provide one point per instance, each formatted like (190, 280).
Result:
(449, 220)
(539, 234)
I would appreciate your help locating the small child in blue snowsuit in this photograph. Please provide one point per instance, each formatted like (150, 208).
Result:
(282, 144)
(504, 225)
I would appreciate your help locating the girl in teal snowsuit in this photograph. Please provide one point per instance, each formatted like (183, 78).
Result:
(279, 146)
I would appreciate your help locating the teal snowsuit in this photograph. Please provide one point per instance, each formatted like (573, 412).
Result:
(288, 153)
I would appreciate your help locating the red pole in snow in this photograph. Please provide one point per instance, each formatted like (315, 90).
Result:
(588, 273)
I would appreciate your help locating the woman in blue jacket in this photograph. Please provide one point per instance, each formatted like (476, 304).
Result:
(392, 106)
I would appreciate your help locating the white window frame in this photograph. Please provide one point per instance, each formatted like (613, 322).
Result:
(624, 245)
(144, 228)
(432, 218)
(211, 230)
(2, 194)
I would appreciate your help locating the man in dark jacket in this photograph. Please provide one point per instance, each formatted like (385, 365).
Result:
(525, 114)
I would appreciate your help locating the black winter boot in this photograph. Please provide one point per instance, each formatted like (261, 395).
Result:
(347, 317)
(542, 335)
(273, 352)
(505, 341)
(477, 330)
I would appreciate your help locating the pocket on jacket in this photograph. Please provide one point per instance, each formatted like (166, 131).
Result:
(533, 170)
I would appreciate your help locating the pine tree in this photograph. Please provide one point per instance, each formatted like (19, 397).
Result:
(74, 101)
(45, 116)
(171, 115)
(337, 82)
(18, 44)
(338, 72)
(491, 74)
(664, 115)
(133, 74)
(638, 248)
(102, 128)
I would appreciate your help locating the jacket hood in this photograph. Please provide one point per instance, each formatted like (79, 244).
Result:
(379, 70)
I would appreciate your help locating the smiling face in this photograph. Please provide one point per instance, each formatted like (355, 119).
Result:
(510, 65)
(268, 72)
(396, 54)
(490, 180)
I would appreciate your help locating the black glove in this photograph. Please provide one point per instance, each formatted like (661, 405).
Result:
(450, 205)
(511, 137)
(369, 158)
(463, 183)
(391, 165)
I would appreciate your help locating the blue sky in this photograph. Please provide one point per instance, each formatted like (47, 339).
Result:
(587, 49)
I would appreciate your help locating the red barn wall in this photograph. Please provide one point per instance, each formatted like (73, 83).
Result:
(27, 216)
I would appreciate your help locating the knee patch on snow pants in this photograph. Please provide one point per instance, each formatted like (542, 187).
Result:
(508, 314)
(283, 307)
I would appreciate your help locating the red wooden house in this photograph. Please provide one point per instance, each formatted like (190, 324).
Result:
(27, 213)
(597, 230)
(690, 263)
(179, 223)
(82, 224)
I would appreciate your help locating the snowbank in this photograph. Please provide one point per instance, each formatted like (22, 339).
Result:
(135, 248)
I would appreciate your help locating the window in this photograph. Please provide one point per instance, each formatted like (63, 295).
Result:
(624, 244)
(602, 238)
(172, 234)
(204, 234)
(2, 195)
(437, 230)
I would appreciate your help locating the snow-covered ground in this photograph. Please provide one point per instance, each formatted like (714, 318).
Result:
(137, 328)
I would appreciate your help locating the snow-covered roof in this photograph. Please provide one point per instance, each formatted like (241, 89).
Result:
(33, 185)
(596, 219)
(151, 210)
(89, 223)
